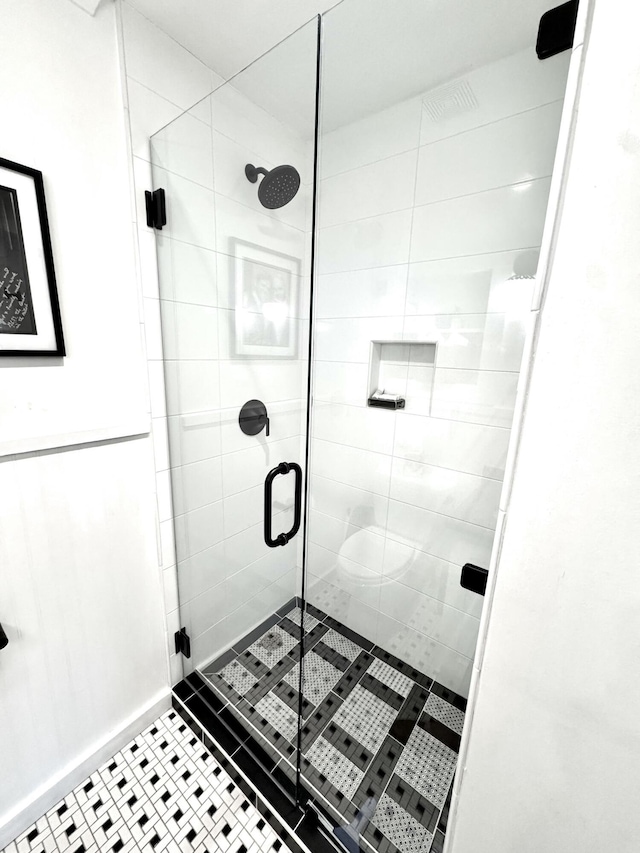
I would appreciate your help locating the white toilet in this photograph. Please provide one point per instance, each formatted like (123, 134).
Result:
(356, 553)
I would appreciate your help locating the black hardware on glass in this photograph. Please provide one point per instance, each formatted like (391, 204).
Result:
(4, 640)
(156, 208)
(283, 538)
(474, 578)
(557, 30)
(253, 417)
(183, 643)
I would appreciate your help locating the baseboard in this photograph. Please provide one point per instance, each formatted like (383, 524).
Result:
(28, 810)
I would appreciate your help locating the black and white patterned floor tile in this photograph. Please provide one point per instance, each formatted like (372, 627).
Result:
(319, 676)
(163, 793)
(272, 646)
(378, 736)
(445, 713)
(310, 621)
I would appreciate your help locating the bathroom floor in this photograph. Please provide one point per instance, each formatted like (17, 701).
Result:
(163, 792)
(380, 740)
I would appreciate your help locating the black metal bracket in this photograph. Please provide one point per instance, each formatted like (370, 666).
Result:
(4, 640)
(183, 643)
(156, 208)
(557, 30)
(474, 578)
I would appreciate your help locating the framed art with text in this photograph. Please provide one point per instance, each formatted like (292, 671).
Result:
(30, 321)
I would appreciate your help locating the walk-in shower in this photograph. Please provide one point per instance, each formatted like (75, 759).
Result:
(321, 530)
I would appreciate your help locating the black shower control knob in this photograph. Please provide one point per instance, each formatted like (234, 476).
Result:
(4, 640)
(253, 418)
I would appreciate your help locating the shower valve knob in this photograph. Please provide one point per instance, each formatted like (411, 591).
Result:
(253, 418)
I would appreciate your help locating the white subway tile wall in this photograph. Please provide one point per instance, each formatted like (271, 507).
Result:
(429, 232)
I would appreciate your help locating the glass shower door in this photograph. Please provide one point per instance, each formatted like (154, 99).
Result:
(437, 139)
(235, 269)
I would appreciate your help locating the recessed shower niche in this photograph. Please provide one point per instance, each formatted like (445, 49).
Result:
(401, 375)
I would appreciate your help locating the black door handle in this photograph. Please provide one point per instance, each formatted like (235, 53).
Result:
(282, 538)
(4, 640)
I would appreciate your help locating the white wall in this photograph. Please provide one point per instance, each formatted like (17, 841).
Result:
(423, 222)
(81, 593)
(99, 390)
(553, 761)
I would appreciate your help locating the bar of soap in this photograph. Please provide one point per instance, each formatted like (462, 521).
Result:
(380, 395)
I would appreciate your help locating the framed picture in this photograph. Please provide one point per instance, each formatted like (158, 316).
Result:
(266, 287)
(29, 310)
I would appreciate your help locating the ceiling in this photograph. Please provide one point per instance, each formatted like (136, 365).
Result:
(229, 34)
(375, 52)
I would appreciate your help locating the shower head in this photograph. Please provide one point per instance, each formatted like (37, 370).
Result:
(278, 186)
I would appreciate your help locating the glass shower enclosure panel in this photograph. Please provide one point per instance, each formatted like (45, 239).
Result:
(437, 142)
(396, 240)
(234, 269)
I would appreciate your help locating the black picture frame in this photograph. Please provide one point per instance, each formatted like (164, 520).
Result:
(30, 320)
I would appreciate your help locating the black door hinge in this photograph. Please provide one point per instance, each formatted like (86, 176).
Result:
(156, 209)
(183, 643)
(557, 30)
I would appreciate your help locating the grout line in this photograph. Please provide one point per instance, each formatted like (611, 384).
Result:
(434, 202)
(401, 458)
(407, 503)
(408, 315)
(441, 139)
(513, 250)
(441, 368)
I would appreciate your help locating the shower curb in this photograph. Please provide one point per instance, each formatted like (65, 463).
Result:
(266, 787)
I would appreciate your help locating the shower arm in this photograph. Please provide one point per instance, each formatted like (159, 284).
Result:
(252, 172)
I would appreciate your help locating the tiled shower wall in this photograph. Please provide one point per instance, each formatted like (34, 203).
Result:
(217, 237)
(431, 216)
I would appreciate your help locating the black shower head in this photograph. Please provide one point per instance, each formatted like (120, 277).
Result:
(278, 186)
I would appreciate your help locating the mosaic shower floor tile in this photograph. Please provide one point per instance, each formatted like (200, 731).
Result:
(402, 684)
(279, 715)
(367, 755)
(272, 646)
(319, 676)
(238, 677)
(444, 712)
(400, 827)
(335, 766)
(310, 621)
(427, 765)
(365, 717)
(346, 648)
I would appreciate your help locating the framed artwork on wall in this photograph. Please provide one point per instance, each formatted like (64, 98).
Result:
(265, 295)
(30, 321)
